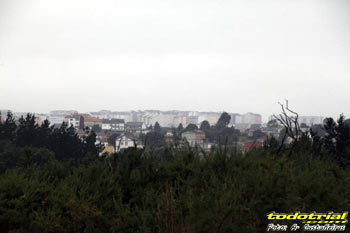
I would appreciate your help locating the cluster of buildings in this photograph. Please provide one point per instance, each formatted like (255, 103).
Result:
(110, 120)
(246, 121)
(307, 120)
(165, 118)
(130, 125)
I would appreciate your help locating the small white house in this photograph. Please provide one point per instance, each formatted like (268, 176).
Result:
(124, 142)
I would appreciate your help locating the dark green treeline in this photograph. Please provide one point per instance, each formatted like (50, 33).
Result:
(53, 181)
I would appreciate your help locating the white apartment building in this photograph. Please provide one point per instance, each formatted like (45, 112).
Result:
(73, 120)
(311, 120)
(113, 124)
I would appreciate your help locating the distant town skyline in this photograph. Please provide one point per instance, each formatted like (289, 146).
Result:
(53, 112)
(228, 55)
(264, 116)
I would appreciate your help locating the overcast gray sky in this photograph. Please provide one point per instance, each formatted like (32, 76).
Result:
(237, 55)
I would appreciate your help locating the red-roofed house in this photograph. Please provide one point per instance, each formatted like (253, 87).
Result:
(247, 146)
(90, 121)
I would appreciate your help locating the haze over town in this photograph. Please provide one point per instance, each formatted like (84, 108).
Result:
(234, 56)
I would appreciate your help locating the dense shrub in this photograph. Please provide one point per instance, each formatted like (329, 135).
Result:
(138, 192)
(46, 188)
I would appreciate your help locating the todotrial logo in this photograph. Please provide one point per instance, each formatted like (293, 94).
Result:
(312, 218)
(308, 221)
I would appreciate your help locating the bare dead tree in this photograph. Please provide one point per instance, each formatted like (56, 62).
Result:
(289, 120)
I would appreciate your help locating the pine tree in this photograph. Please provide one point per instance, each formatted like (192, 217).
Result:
(8, 128)
(223, 121)
(180, 128)
(157, 128)
(27, 131)
(205, 126)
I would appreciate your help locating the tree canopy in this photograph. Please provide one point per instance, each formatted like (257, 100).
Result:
(224, 120)
(157, 128)
(191, 127)
(180, 127)
(205, 126)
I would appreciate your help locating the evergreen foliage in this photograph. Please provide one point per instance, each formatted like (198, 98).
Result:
(223, 121)
(191, 127)
(180, 127)
(53, 181)
(205, 126)
(157, 128)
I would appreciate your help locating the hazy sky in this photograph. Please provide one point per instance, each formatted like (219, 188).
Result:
(237, 55)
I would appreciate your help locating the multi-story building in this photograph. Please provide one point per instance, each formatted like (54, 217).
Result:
(113, 124)
(311, 120)
(211, 117)
(180, 119)
(195, 137)
(90, 121)
(251, 118)
(193, 120)
(236, 119)
(308, 120)
(245, 121)
(272, 131)
(106, 114)
(135, 128)
(57, 117)
(75, 120)
(164, 119)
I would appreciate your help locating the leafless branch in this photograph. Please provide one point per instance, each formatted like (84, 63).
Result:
(289, 119)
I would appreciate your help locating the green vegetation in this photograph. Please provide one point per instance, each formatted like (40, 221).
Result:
(53, 181)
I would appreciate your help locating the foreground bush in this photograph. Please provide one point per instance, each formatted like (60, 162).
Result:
(176, 192)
